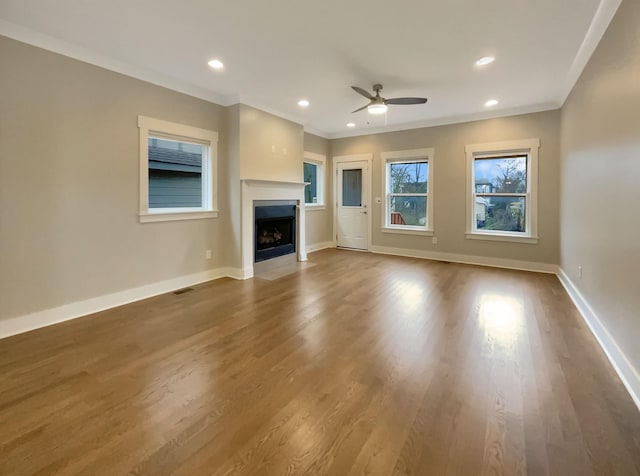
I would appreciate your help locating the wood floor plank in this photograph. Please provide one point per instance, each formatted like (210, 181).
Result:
(358, 364)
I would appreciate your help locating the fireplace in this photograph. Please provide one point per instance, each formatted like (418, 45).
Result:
(275, 231)
(263, 193)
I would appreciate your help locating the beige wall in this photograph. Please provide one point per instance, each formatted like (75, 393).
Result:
(319, 222)
(69, 183)
(271, 148)
(231, 222)
(600, 224)
(449, 168)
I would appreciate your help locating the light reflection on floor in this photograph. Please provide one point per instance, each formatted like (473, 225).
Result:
(501, 318)
(407, 314)
(411, 296)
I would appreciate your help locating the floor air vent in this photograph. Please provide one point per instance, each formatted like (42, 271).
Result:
(182, 291)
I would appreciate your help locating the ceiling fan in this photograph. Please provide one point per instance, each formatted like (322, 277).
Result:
(378, 104)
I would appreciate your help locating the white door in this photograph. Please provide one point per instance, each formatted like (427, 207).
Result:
(352, 219)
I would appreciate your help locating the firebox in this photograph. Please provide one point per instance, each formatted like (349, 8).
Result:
(275, 231)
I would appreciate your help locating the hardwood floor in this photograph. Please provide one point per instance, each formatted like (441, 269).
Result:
(361, 364)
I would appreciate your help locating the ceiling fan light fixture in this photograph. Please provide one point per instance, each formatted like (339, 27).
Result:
(377, 109)
(378, 105)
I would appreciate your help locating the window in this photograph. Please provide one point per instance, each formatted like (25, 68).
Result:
(314, 172)
(502, 191)
(177, 171)
(409, 191)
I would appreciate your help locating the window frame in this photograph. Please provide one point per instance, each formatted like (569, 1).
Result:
(319, 161)
(524, 147)
(403, 157)
(151, 127)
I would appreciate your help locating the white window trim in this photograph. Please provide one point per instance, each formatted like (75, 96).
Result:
(171, 130)
(404, 156)
(528, 147)
(321, 161)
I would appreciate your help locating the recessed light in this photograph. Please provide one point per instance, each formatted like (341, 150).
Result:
(215, 64)
(485, 60)
(303, 103)
(491, 102)
(351, 124)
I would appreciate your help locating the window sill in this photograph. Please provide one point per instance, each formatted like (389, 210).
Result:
(195, 215)
(502, 237)
(312, 207)
(406, 231)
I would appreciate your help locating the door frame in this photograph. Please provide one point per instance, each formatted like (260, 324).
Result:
(340, 159)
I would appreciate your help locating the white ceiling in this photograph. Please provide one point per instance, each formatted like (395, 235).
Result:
(276, 52)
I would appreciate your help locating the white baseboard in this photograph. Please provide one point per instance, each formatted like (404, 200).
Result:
(468, 259)
(628, 374)
(320, 246)
(246, 273)
(235, 273)
(47, 317)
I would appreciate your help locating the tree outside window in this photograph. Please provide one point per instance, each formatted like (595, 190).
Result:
(501, 193)
(408, 193)
(408, 186)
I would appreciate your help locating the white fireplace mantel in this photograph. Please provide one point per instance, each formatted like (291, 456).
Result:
(253, 190)
(275, 183)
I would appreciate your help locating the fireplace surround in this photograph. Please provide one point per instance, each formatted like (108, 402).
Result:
(269, 192)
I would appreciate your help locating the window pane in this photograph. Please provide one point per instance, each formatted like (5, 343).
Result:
(175, 173)
(410, 211)
(311, 190)
(501, 175)
(500, 213)
(352, 188)
(408, 177)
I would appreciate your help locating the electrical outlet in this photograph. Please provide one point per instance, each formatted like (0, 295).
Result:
(207, 254)
(434, 240)
(580, 272)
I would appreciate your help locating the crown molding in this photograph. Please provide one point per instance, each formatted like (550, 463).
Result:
(80, 53)
(604, 14)
(601, 20)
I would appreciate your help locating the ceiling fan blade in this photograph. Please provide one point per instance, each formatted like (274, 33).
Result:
(406, 101)
(363, 107)
(366, 94)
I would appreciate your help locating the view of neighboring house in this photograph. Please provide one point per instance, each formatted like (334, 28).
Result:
(175, 174)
